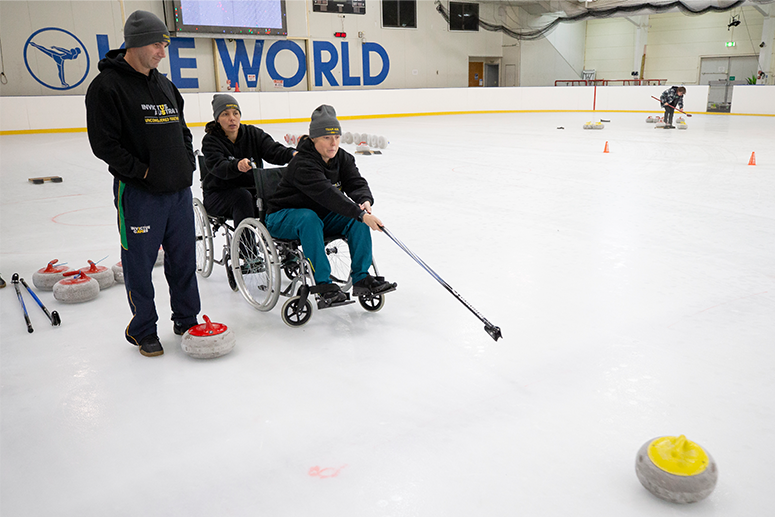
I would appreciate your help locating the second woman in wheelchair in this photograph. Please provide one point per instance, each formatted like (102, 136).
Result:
(228, 147)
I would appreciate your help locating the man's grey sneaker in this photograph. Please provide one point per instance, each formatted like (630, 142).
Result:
(150, 346)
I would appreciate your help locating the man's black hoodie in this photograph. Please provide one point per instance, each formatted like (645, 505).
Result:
(135, 124)
(312, 183)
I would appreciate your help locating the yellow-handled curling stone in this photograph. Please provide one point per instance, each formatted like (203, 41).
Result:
(676, 469)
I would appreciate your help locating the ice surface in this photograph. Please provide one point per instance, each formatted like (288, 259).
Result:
(635, 291)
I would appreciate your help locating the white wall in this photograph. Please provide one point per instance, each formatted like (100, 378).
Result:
(24, 114)
(610, 46)
(676, 43)
(560, 55)
(429, 56)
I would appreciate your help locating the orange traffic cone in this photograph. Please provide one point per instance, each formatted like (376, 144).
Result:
(236, 87)
(606, 147)
(752, 161)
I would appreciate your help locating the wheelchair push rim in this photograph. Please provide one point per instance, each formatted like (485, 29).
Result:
(255, 265)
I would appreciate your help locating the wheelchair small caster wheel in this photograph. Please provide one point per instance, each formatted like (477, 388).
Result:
(372, 303)
(295, 316)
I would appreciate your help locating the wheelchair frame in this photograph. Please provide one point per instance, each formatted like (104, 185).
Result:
(256, 273)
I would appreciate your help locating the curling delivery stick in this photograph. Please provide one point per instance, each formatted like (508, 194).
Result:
(492, 330)
(15, 282)
(53, 316)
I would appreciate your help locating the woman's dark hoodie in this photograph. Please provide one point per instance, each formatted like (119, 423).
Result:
(135, 124)
(222, 156)
(312, 183)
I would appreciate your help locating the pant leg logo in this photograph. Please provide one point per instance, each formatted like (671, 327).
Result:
(140, 229)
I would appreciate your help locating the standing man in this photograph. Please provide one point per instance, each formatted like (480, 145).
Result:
(135, 123)
(672, 98)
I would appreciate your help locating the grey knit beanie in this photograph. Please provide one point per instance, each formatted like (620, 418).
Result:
(143, 28)
(324, 122)
(222, 102)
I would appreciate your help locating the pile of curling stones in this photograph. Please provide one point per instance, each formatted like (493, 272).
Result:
(676, 469)
(80, 285)
(362, 140)
(292, 139)
(73, 286)
(594, 125)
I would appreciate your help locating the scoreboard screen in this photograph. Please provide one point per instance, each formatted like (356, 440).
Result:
(339, 6)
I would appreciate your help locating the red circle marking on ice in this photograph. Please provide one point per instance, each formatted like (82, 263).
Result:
(55, 219)
(328, 472)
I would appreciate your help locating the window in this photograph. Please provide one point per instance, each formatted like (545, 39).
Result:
(399, 13)
(463, 16)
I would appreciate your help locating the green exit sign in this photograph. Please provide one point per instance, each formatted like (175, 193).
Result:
(731, 77)
(730, 43)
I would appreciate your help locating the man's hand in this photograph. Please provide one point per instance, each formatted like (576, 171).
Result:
(366, 205)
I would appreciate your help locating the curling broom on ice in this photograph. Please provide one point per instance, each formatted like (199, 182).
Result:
(677, 109)
(492, 330)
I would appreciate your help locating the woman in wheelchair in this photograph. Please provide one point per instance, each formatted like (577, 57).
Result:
(323, 194)
(229, 147)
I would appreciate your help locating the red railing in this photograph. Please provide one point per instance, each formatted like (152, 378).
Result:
(610, 82)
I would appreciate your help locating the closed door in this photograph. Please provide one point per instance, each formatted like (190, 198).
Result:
(510, 75)
(475, 73)
(713, 69)
(491, 75)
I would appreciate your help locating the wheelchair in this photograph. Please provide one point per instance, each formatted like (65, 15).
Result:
(263, 268)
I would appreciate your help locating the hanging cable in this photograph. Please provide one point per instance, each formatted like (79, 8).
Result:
(3, 78)
(607, 12)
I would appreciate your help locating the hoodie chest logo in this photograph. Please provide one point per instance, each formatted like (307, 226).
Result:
(159, 114)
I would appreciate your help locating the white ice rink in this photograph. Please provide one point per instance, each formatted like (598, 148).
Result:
(635, 291)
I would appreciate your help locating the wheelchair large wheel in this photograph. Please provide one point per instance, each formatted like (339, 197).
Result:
(338, 253)
(204, 240)
(255, 264)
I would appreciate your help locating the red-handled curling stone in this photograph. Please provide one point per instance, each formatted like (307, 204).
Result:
(45, 278)
(118, 272)
(76, 287)
(103, 275)
(208, 340)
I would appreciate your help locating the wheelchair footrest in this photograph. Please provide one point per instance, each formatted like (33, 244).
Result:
(368, 293)
(322, 304)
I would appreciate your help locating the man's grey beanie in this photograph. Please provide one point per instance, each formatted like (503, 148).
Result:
(143, 28)
(222, 102)
(324, 122)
